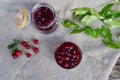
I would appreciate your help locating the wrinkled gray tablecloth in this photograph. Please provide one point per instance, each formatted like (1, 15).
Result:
(97, 62)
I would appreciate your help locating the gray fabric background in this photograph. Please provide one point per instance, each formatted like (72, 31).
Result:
(97, 61)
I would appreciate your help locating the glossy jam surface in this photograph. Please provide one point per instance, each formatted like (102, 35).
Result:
(68, 55)
(44, 18)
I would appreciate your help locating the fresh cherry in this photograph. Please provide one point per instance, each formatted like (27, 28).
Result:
(65, 64)
(27, 46)
(24, 43)
(66, 58)
(18, 53)
(35, 50)
(36, 41)
(14, 56)
(28, 55)
(68, 55)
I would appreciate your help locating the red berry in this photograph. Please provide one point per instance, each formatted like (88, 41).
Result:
(28, 55)
(77, 55)
(14, 56)
(35, 50)
(36, 41)
(18, 53)
(27, 46)
(65, 64)
(66, 58)
(24, 43)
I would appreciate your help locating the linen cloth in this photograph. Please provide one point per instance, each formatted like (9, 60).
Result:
(97, 59)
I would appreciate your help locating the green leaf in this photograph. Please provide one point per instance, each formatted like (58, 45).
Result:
(69, 24)
(14, 49)
(112, 23)
(118, 1)
(87, 19)
(112, 44)
(119, 36)
(95, 13)
(11, 45)
(106, 33)
(106, 9)
(83, 9)
(76, 31)
(91, 32)
(99, 31)
(75, 16)
(16, 41)
(78, 12)
(113, 14)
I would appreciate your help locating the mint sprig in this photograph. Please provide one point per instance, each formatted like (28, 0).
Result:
(86, 15)
(14, 46)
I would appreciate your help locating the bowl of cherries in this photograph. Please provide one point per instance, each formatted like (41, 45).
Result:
(68, 55)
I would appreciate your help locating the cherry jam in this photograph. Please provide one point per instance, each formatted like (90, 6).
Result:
(43, 16)
(68, 55)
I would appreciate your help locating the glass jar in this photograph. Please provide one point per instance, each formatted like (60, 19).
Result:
(43, 17)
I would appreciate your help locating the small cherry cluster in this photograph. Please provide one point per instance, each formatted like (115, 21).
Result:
(17, 52)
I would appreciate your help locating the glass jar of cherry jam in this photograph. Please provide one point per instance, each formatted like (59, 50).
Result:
(43, 17)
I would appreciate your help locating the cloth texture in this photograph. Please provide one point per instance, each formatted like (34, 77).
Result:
(97, 59)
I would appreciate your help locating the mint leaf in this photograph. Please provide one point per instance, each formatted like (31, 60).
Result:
(76, 31)
(15, 48)
(106, 9)
(112, 23)
(95, 13)
(69, 24)
(99, 31)
(119, 36)
(113, 14)
(83, 10)
(78, 12)
(91, 32)
(16, 41)
(118, 1)
(87, 19)
(106, 33)
(112, 44)
(11, 45)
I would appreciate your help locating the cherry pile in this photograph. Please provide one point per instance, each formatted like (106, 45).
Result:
(68, 55)
(16, 52)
